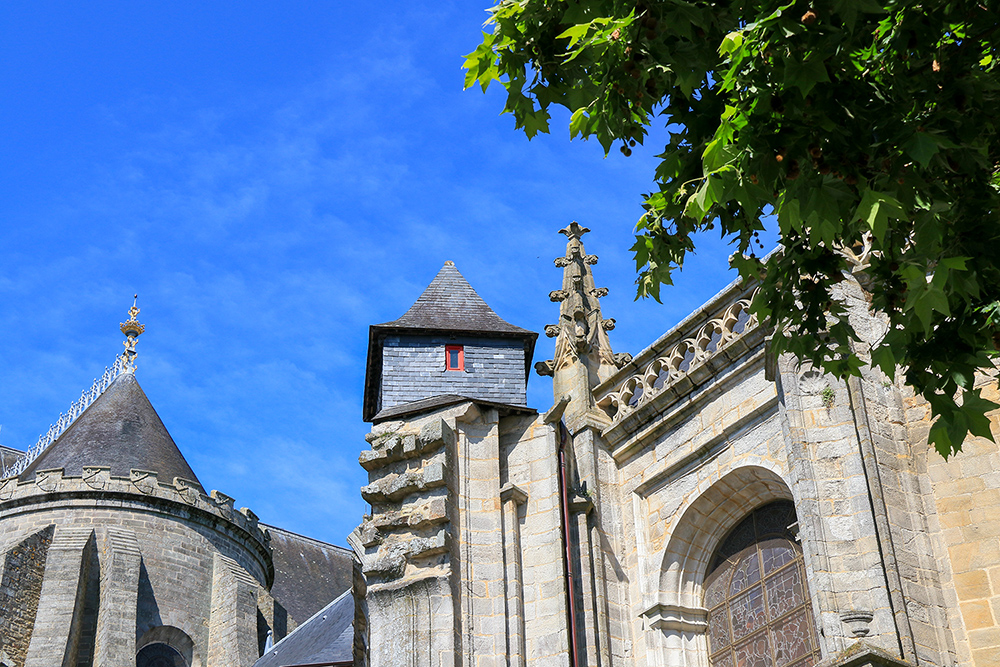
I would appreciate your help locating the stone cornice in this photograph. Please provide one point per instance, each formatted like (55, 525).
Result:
(182, 499)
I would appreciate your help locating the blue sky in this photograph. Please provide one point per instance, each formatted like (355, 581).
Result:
(271, 178)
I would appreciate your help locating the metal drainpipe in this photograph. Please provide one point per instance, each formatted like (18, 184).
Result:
(567, 550)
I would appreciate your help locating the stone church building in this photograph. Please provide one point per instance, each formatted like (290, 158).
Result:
(700, 504)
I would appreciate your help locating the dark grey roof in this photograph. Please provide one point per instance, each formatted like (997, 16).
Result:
(450, 304)
(326, 638)
(8, 456)
(307, 573)
(435, 402)
(121, 430)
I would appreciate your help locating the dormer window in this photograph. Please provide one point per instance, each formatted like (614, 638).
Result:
(454, 357)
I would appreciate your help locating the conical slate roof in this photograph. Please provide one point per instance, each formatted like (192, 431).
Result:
(450, 304)
(121, 430)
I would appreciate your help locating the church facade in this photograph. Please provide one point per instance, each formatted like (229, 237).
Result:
(700, 504)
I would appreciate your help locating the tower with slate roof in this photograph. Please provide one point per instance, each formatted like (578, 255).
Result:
(448, 347)
(462, 482)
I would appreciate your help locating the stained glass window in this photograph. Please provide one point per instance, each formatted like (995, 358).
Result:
(758, 603)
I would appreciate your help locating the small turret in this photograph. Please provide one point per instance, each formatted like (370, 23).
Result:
(448, 347)
(583, 356)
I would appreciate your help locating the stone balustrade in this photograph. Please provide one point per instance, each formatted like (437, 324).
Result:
(679, 353)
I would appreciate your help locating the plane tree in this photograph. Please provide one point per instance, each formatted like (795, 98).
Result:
(866, 130)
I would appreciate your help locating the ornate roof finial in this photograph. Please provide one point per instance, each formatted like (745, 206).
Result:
(132, 328)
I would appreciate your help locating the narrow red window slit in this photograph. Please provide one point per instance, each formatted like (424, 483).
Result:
(454, 357)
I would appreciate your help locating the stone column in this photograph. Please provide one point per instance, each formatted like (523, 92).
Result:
(120, 561)
(232, 630)
(512, 498)
(60, 606)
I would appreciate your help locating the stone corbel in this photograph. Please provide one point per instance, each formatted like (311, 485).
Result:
(590, 259)
(622, 359)
(552, 330)
(558, 295)
(599, 292)
(511, 492)
(580, 504)
(662, 616)
(857, 621)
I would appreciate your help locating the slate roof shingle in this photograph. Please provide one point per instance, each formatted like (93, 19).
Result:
(450, 304)
(121, 430)
(307, 573)
(325, 639)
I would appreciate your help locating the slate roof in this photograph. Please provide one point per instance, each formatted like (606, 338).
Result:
(9, 456)
(325, 639)
(449, 305)
(121, 430)
(307, 573)
(426, 404)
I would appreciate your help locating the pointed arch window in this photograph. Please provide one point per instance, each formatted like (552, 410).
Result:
(759, 614)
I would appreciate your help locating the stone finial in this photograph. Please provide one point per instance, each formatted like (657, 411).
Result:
(583, 355)
(574, 230)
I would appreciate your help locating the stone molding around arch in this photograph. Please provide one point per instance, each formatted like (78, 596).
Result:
(678, 613)
(173, 637)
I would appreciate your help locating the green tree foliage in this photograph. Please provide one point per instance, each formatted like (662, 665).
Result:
(865, 126)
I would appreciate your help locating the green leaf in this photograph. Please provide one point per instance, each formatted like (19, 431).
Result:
(578, 122)
(749, 267)
(731, 42)
(804, 75)
(575, 33)
(921, 147)
(535, 121)
(975, 408)
(877, 208)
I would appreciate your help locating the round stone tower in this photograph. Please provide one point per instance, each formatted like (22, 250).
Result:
(112, 554)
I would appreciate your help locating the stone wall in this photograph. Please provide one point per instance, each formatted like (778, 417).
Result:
(966, 498)
(23, 568)
(150, 566)
(413, 368)
(462, 550)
